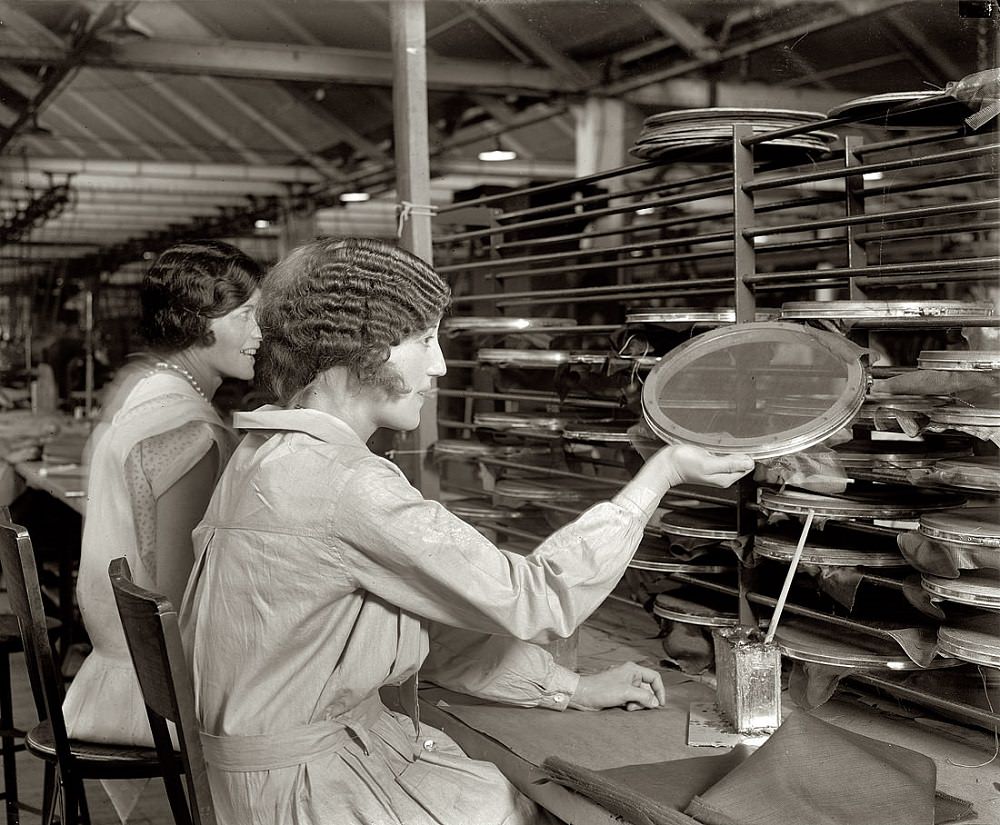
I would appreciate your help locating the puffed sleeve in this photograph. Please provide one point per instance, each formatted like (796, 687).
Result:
(420, 557)
(499, 668)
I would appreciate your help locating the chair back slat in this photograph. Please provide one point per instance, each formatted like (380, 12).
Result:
(154, 642)
(17, 559)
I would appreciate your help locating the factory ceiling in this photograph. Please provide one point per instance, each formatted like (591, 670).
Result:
(124, 125)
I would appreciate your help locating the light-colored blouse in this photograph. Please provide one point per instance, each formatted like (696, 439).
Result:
(322, 575)
(163, 428)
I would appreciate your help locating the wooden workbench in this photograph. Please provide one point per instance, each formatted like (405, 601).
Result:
(618, 632)
(67, 485)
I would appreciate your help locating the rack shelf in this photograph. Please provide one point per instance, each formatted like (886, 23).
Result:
(659, 233)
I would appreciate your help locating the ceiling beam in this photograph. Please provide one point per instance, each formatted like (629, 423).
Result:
(501, 113)
(158, 186)
(177, 210)
(134, 222)
(280, 98)
(673, 24)
(945, 69)
(28, 88)
(166, 169)
(279, 134)
(114, 124)
(537, 169)
(100, 199)
(274, 61)
(528, 38)
(840, 71)
(76, 131)
(60, 72)
(199, 116)
(859, 9)
(341, 131)
(38, 248)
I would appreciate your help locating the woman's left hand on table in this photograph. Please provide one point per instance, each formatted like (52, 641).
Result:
(628, 685)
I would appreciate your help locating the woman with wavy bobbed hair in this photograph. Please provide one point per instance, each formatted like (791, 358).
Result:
(153, 462)
(322, 574)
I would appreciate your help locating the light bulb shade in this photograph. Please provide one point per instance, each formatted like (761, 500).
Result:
(354, 197)
(498, 154)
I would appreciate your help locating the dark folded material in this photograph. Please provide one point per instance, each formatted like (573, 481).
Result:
(840, 583)
(689, 646)
(946, 559)
(811, 685)
(808, 773)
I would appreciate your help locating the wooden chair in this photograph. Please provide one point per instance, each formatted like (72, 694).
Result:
(67, 761)
(154, 641)
(10, 643)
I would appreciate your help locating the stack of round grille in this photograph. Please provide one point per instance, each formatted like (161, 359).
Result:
(706, 135)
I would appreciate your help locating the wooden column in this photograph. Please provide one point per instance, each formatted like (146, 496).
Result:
(298, 226)
(413, 185)
(601, 141)
(602, 144)
(409, 104)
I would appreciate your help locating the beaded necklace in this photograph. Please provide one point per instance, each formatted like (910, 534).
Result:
(167, 365)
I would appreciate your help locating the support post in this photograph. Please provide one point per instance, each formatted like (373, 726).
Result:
(413, 185)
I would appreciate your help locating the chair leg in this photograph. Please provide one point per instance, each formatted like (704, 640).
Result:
(8, 747)
(57, 802)
(176, 797)
(75, 803)
(48, 793)
(65, 603)
(82, 805)
(70, 805)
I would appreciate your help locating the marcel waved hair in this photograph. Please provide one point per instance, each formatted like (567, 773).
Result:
(343, 302)
(188, 285)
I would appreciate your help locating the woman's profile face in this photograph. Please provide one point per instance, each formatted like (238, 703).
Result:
(237, 337)
(418, 361)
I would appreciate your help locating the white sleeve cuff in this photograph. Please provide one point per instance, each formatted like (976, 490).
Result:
(639, 500)
(560, 689)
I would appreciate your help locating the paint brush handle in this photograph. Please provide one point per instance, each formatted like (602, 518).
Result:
(772, 628)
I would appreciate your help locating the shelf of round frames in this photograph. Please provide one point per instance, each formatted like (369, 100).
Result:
(582, 247)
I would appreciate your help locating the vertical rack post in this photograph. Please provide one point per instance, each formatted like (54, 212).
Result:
(744, 258)
(88, 344)
(854, 204)
(744, 263)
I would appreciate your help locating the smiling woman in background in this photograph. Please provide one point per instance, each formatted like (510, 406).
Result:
(322, 574)
(154, 461)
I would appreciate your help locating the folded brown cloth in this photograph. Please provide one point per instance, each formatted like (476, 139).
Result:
(919, 643)
(947, 559)
(689, 646)
(840, 583)
(810, 771)
(915, 594)
(811, 685)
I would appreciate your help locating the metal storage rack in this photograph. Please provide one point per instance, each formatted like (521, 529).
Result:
(593, 248)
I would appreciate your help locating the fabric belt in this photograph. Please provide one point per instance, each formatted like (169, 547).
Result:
(295, 746)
